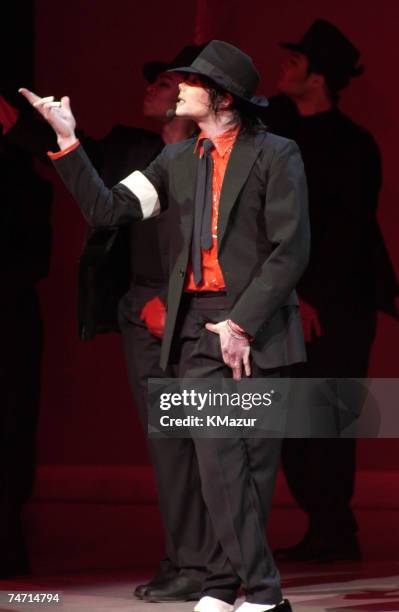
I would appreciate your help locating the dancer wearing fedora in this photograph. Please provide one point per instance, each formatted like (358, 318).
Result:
(349, 277)
(236, 255)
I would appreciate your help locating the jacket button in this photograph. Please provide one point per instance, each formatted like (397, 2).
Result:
(181, 273)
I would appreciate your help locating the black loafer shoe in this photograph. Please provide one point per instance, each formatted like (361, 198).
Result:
(180, 588)
(166, 571)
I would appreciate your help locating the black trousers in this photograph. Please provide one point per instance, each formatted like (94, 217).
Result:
(185, 521)
(237, 475)
(321, 472)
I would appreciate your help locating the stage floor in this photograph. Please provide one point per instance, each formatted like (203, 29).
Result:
(343, 587)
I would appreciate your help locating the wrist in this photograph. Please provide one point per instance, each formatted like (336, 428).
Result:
(237, 331)
(53, 156)
(64, 142)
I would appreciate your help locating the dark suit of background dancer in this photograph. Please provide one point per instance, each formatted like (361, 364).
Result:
(25, 201)
(129, 263)
(349, 276)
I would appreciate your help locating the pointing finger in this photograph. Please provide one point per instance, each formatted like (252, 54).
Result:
(29, 95)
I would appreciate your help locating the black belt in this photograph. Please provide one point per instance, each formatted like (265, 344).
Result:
(205, 294)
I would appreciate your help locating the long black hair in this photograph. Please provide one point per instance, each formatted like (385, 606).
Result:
(243, 114)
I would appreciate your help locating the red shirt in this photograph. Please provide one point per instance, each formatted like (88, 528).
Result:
(212, 277)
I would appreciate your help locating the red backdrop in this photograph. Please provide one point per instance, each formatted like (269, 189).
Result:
(93, 50)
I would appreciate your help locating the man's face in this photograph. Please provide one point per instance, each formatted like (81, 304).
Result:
(193, 101)
(161, 95)
(294, 80)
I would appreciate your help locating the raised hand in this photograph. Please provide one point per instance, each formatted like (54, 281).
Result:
(57, 114)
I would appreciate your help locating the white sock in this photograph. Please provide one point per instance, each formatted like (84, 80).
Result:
(212, 604)
(253, 607)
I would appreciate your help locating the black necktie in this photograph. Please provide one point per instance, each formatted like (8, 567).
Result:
(202, 233)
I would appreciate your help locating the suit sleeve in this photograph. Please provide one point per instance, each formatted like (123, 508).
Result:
(134, 198)
(288, 229)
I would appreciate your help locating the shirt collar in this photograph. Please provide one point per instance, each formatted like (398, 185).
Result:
(222, 143)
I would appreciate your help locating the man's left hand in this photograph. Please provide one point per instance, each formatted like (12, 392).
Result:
(235, 348)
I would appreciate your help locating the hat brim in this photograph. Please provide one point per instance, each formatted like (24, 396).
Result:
(298, 48)
(254, 103)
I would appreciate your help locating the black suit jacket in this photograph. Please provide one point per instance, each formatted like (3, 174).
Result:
(114, 256)
(350, 269)
(263, 232)
(105, 266)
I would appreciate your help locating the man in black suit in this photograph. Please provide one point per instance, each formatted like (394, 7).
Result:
(349, 276)
(240, 242)
(122, 286)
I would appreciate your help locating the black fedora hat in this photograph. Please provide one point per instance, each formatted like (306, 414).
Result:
(329, 52)
(229, 68)
(187, 55)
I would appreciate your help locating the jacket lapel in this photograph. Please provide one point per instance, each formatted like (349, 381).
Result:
(242, 158)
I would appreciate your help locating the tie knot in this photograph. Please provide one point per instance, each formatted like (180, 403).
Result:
(207, 145)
